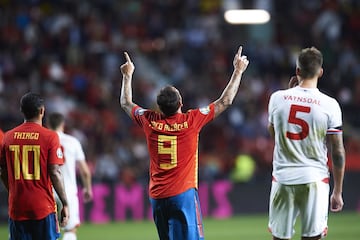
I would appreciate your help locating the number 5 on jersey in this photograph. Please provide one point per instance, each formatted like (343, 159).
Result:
(294, 109)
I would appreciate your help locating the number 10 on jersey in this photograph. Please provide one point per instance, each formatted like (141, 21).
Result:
(23, 166)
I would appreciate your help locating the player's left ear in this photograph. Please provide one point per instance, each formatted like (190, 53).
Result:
(42, 111)
(180, 101)
(321, 72)
(180, 105)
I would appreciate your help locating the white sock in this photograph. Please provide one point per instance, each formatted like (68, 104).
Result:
(69, 236)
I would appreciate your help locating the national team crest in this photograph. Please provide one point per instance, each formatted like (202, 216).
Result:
(205, 110)
(59, 153)
(139, 111)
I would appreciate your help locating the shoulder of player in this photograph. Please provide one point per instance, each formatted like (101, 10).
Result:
(203, 109)
(48, 132)
(327, 95)
(328, 99)
(69, 138)
(138, 111)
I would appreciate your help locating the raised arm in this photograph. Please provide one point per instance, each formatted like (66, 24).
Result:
(127, 70)
(338, 170)
(225, 100)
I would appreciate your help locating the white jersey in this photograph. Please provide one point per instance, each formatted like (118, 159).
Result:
(301, 118)
(73, 152)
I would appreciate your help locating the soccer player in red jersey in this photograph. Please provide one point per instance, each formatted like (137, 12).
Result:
(172, 139)
(1, 136)
(29, 161)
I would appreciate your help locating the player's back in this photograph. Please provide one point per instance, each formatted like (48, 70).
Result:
(301, 118)
(73, 152)
(173, 147)
(28, 149)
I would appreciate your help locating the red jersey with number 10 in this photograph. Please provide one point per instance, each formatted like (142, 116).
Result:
(173, 148)
(26, 152)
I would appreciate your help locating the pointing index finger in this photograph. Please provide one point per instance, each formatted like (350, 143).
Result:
(127, 57)
(239, 51)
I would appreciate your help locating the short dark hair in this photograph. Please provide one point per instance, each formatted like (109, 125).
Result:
(54, 120)
(30, 105)
(168, 100)
(309, 62)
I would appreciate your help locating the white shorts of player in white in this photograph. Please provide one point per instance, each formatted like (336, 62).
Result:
(287, 202)
(74, 219)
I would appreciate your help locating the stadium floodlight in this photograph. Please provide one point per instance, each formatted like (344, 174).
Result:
(247, 16)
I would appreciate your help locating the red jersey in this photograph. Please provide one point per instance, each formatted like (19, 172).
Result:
(1, 136)
(26, 152)
(173, 148)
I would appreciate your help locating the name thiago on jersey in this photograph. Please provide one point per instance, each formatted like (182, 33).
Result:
(26, 135)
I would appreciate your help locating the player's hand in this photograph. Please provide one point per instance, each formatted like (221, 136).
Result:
(64, 216)
(294, 81)
(336, 202)
(128, 67)
(88, 195)
(240, 61)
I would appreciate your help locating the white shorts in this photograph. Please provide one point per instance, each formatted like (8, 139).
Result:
(73, 204)
(287, 202)
(74, 219)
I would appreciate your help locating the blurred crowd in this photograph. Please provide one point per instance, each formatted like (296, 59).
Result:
(70, 52)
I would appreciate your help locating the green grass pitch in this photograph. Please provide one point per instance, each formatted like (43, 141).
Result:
(342, 226)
